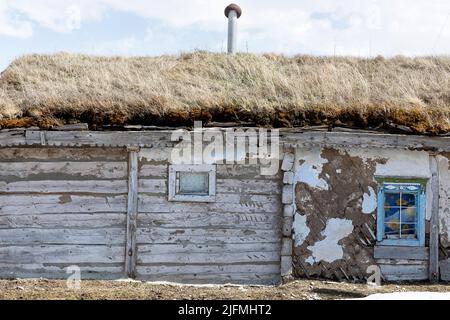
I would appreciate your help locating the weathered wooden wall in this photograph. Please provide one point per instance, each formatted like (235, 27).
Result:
(235, 239)
(62, 207)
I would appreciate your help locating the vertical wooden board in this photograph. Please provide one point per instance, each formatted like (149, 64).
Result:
(434, 222)
(132, 211)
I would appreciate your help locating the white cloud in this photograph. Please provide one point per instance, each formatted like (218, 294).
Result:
(12, 26)
(353, 27)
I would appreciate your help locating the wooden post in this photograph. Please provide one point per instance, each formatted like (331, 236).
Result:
(434, 222)
(132, 209)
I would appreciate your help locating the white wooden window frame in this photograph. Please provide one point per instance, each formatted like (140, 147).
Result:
(205, 168)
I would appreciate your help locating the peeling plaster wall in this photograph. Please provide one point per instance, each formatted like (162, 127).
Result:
(336, 199)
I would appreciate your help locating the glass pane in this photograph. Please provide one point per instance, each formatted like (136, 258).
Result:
(193, 183)
(408, 230)
(408, 200)
(409, 215)
(392, 230)
(392, 214)
(391, 199)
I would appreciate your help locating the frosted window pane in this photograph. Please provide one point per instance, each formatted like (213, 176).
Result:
(193, 182)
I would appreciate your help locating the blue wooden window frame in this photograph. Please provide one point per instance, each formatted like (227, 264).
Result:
(418, 188)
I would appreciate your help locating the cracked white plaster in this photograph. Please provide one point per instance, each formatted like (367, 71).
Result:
(399, 163)
(328, 249)
(308, 167)
(301, 230)
(369, 203)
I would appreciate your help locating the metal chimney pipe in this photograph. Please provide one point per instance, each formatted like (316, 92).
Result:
(232, 12)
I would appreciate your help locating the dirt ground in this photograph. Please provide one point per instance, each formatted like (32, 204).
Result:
(295, 290)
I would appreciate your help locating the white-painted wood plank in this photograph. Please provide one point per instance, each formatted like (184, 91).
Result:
(59, 271)
(166, 235)
(188, 258)
(207, 247)
(210, 219)
(37, 204)
(248, 186)
(404, 272)
(234, 278)
(62, 154)
(209, 269)
(73, 254)
(39, 236)
(224, 203)
(65, 186)
(64, 221)
(402, 262)
(396, 252)
(60, 170)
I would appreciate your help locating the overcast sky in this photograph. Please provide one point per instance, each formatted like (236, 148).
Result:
(152, 27)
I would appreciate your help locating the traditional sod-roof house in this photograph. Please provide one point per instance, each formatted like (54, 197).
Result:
(214, 168)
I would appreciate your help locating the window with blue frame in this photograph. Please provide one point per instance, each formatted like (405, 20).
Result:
(401, 213)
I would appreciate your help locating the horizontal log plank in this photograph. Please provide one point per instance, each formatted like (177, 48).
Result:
(396, 252)
(402, 262)
(41, 204)
(224, 203)
(154, 138)
(235, 186)
(68, 254)
(207, 247)
(63, 220)
(224, 171)
(62, 154)
(65, 186)
(12, 138)
(210, 219)
(103, 271)
(404, 272)
(31, 236)
(63, 170)
(96, 138)
(209, 269)
(188, 258)
(165, 235)
(234, 278)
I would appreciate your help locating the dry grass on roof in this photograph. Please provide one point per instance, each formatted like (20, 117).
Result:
(269, 90)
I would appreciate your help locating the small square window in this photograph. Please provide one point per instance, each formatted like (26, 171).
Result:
(195, 183)
(401, 217)
(192, 183)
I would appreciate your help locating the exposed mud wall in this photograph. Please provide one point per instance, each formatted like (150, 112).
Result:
(334, 227)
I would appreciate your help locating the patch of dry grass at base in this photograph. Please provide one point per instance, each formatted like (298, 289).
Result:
(270, 90)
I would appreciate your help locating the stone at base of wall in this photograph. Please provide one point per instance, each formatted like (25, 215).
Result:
(286, 246)
(288, 210)
(287, 279)
(286, 265)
